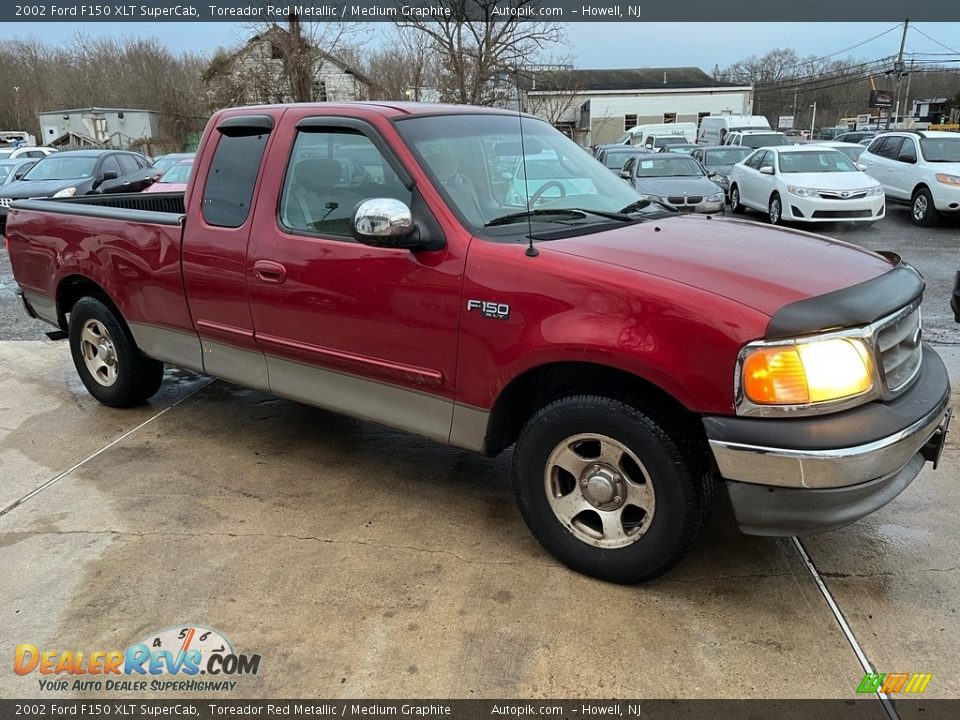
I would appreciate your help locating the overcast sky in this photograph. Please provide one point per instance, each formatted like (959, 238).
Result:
(594, 45)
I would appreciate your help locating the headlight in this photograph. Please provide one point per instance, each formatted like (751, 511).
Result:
(66, 192)
(721, 179)
(801, 191)
(805, 373)
(652, 198)
(875, 190)
(948, 179)
(716, 197)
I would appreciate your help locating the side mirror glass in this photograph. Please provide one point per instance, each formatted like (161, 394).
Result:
(625, 174)
(384, 222)
(767, 170)
(711, 173)
(861, 166)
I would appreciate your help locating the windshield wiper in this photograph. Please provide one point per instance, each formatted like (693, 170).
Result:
(518, 216)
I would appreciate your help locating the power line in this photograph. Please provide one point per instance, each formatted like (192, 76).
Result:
(947, 47)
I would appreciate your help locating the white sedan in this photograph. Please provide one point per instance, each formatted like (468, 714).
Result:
(808, 183)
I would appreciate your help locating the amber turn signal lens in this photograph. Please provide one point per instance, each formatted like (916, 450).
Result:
(818, 371)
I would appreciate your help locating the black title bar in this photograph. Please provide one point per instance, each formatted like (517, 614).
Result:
(566, 11)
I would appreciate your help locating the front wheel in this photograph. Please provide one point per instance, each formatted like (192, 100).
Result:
(922, 211)
(775, 210)
(608, 490)
(735, 204)
(111, 366)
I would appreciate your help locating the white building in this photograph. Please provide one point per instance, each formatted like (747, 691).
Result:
(98, 127)
(254, 74)
(598, 106)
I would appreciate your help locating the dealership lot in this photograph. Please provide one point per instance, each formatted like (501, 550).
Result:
(358, 561)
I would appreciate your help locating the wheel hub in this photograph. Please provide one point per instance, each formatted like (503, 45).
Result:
(602, 486)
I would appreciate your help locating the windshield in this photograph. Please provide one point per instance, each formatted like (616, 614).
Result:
(764, 140)
(669, 140)
(727, 156)
(57, 167)
(615, 160)
(941, 149)
(179, 173)
(6, 153)
(166, 162)
(668, 166)
(487, 170)
(822, 161)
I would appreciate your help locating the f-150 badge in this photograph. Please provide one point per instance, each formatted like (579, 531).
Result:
(497, 311)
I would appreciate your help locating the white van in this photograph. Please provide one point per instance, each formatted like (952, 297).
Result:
(655, 135)
(714, 128)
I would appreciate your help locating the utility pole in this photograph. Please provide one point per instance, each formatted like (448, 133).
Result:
(813, 119)
(796, 119)
(906, 101)
(898, 65)
(16, 89)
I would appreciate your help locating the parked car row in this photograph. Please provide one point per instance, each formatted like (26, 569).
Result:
(79, 172)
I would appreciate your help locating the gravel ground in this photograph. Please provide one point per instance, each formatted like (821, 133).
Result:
(933, 251)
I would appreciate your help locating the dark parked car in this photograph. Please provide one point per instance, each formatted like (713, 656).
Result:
(80, 172)
(718, 161)
(856, 136)
(676, 181)
(680, 148)
(614, 156)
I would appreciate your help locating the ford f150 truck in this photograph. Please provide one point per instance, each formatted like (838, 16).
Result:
(374, 259)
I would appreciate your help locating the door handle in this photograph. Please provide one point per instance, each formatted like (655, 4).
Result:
(269, 271)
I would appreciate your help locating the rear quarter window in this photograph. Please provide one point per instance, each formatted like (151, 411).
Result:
(228, 190)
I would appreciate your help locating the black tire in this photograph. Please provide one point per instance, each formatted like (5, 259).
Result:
(775, 210)
(735, 205)
(922, 211)
(682, 488)
(129, 376)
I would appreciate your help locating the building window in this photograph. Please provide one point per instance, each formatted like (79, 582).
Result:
(669, 117)
(320, 90)
(701, 116)
(629, 121)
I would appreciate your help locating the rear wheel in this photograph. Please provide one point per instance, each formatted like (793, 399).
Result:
(735, 204)
(111, 366)
(775, 210)
(922, 211)
(608, 490)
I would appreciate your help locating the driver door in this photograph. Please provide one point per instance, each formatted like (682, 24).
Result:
(368, 331)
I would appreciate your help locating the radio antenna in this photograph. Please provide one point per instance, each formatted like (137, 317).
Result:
(531, 248)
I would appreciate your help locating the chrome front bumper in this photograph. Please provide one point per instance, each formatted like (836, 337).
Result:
(804, 475)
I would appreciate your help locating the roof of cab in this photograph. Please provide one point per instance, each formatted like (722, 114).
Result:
(387, 109)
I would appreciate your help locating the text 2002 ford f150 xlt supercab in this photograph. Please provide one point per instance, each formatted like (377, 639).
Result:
(374, 259)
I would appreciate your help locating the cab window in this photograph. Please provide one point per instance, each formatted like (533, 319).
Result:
(329, 173)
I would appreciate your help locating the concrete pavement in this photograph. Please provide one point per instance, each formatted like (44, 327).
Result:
(363, 562)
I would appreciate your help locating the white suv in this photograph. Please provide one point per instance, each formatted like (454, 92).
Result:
(756, 138)
(921, 168)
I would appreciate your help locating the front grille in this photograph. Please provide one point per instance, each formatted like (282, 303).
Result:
(685, 200)
(899, 349)
(841, 214)
(852, 195)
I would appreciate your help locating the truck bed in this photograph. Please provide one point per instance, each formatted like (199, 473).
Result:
(127, 244)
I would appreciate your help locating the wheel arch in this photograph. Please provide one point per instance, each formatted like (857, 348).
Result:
(543, 384)
(73, 288)
(922, 185)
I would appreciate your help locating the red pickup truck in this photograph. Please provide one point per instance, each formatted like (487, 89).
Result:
(476, 277)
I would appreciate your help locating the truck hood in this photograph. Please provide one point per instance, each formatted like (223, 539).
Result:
(37, 188)
(759, 266)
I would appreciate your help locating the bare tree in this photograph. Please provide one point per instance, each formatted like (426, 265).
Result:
(475, 44)
(404, 68)
(554, 95)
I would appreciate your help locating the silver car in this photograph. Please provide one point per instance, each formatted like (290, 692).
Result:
(677, 181)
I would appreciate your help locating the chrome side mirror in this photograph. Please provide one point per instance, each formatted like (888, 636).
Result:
(384, 222)
(766, 170)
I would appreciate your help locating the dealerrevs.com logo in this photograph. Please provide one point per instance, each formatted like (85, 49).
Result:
(169, 660)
